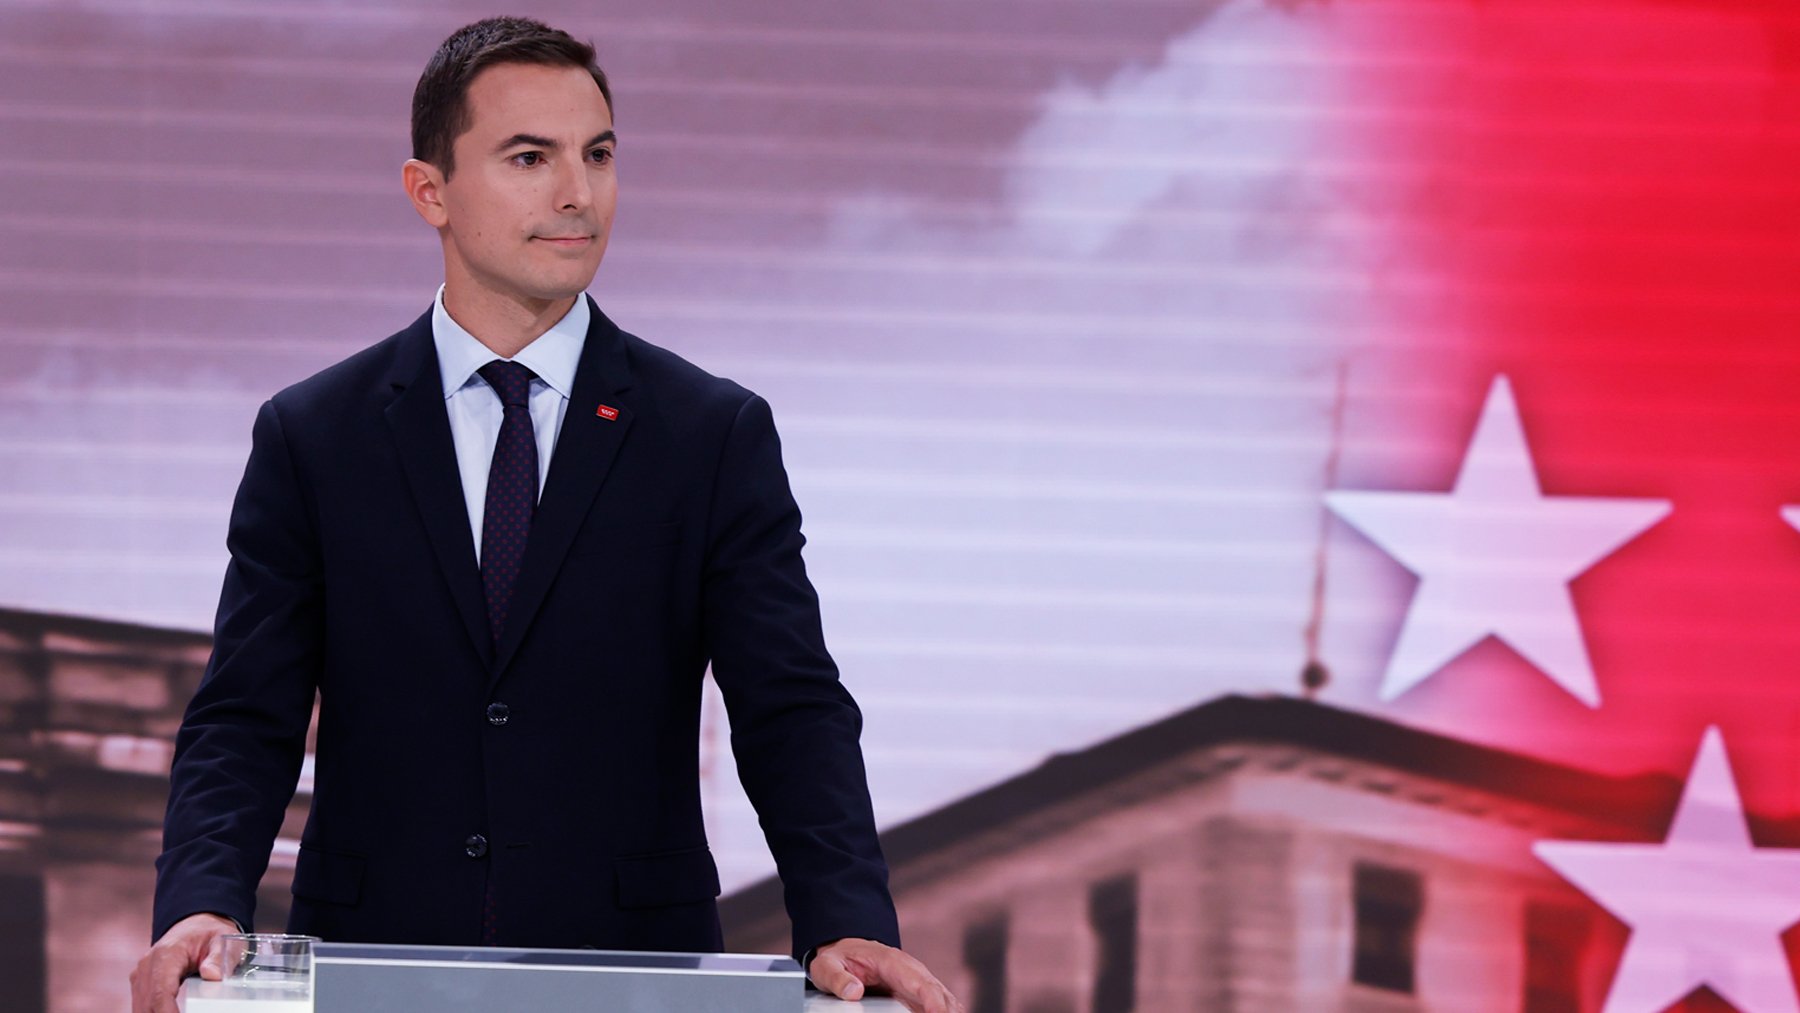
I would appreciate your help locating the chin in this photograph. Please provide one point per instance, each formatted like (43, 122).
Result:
(552, 289)
(570, 282)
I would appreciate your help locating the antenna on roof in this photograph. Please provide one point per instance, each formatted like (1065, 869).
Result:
(1314, 675)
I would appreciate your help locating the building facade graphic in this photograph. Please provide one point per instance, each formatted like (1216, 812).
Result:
(1258, 854)
(88, 714)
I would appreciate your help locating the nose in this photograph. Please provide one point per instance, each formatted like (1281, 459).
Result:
(574, 193)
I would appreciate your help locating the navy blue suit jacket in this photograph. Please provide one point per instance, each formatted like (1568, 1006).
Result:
(666, 538)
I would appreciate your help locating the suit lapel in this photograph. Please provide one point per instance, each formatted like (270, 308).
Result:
(421, 429)
(585, 449)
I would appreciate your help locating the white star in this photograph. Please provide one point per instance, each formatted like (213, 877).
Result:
(1706, 906)
(1494, 556)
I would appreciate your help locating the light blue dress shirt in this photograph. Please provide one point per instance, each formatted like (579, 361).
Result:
(475, 410)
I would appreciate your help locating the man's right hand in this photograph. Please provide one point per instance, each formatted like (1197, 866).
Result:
(191, 943)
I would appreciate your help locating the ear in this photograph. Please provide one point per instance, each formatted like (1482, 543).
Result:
(424, 185)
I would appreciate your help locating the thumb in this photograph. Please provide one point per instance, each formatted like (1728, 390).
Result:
(212, 966)
(830, 973)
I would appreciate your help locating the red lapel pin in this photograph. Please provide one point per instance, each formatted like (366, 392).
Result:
(607, 412)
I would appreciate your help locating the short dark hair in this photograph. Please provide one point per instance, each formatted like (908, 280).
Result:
(440, 109)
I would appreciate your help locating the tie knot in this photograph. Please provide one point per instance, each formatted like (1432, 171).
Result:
(510, 380)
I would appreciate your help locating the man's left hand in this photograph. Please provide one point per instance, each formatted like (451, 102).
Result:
(848, 967)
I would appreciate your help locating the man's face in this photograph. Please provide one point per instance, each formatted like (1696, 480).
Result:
(529, 206)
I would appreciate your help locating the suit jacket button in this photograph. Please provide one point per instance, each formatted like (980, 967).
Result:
(498, 713)
(475, 846)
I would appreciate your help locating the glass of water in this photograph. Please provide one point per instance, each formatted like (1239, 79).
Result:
(269, 967)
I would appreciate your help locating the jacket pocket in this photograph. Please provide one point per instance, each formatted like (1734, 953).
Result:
(671, 877)
(328, 877)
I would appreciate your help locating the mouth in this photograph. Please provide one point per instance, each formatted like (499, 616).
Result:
(565, 242)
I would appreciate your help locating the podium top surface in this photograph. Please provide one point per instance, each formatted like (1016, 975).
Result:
(361, 976)
(217, 997)
(596, 960)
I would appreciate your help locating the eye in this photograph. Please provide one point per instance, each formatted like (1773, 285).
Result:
(601, 156)
(526, 159)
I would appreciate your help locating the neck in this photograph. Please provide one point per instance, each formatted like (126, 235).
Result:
(504, 325)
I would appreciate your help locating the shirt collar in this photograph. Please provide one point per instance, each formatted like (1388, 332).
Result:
(552, 355)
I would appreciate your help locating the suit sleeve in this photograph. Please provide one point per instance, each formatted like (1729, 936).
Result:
(794, 727)
(242, 741)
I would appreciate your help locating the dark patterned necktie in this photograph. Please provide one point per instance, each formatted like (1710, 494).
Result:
(512, 490)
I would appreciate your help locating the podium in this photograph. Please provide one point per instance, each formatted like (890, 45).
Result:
(358, 978)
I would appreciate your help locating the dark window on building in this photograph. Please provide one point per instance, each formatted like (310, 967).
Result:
(984, 954)
(1556, 939)
(22, 956)
(1113, 913)
(1388, 905)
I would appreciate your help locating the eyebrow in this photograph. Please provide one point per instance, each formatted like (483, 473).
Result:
(534, 141)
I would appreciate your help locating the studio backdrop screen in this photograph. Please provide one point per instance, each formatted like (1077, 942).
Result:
(1303, 491)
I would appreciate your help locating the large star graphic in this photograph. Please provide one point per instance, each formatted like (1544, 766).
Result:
(1706, 906)
(1494, 557)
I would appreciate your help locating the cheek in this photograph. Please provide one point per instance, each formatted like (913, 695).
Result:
(500, 214)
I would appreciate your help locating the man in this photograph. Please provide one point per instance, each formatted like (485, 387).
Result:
(502, 546)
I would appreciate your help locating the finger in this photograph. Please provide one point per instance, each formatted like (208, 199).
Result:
(829, 973)
(166, 972)
(162, 999)
(146, 986)
(149, 986)
(913, 985)
(212, 966)
(887, 969)
(937, 999)
(919, 1001)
